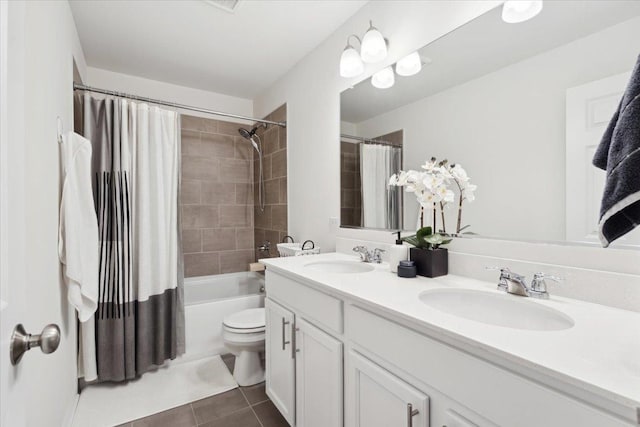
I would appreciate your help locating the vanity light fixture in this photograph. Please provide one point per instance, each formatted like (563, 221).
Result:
(374, 46)
(351, 64)
(409, 65)
(383, 79)
(515, 11)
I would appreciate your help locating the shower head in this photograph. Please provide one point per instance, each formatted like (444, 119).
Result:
(247, 134)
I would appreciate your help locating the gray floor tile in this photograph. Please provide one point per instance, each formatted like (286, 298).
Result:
(129, 424)
(219, 405)
(255, 393)
(182, 416)
(242, 418)
(269, 415)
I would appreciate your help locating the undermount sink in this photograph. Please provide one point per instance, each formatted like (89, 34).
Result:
(504, 310)
(341, 267)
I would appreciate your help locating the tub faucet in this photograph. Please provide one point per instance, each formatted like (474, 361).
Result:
(366, 255)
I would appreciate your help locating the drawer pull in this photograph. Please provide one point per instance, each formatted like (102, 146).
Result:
(410, 414)
(284, 343)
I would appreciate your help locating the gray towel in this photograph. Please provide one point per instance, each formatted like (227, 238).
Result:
(619, 154)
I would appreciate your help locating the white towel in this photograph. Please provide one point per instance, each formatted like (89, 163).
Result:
(78, 244)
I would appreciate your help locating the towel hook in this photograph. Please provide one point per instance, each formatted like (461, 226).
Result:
(60, 129)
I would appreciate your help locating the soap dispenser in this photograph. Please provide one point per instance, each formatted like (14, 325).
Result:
(397, 253)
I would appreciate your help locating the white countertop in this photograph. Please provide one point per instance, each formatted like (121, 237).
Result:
(600, 354)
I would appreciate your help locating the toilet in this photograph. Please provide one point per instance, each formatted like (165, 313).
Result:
(243, 334)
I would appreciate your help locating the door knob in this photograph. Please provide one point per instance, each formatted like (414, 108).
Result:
(21, 341)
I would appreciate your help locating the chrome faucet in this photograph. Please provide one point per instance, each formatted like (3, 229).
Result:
(538, 287)
(516, 284)
(366, 255)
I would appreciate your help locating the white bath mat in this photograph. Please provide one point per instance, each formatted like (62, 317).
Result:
(107, 405)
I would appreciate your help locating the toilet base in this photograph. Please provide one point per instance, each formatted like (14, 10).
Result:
(248, 368)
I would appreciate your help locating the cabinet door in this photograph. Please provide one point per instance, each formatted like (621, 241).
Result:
(318, 377)
(279, 355)
(377, 398)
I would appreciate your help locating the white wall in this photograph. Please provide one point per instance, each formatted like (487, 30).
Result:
(312, 89)
(134, 85)
(41, 54)
(507, 129)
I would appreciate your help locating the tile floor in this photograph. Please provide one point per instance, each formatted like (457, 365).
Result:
(240, 407)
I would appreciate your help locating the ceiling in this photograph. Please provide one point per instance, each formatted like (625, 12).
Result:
(194, 44)
(482, 46)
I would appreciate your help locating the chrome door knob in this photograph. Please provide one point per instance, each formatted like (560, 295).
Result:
(21, 341)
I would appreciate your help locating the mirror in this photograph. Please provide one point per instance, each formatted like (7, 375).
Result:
(521, 107)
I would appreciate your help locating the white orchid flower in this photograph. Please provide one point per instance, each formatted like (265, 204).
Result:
(393, 179)
(432, 181)
(444, 171)
(429, 165)
(459, 174)
(445, 194)
(468, 192)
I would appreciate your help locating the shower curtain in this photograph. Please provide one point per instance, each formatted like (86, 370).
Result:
(139, 322)
(380, 202)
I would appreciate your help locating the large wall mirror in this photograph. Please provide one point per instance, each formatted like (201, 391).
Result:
(521, 107)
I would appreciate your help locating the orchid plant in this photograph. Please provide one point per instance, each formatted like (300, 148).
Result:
(431, 187)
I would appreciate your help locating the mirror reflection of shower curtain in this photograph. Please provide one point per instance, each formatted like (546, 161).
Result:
(139, 322)
(381, 204)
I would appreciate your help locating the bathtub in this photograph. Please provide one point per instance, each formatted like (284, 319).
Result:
(208, 300)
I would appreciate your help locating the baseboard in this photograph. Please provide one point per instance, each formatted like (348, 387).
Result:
(71, 411)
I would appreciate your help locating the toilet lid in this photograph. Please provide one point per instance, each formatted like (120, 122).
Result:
(246, 319)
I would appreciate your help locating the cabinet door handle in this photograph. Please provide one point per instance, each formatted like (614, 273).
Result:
(410, 414)
(294, 339)
(284, 323)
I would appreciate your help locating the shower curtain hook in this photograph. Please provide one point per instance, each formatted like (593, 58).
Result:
(60, 129)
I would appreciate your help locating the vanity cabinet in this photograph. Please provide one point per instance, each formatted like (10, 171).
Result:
(333, 361)
(318, 377)
(380, 399)
(304, 362)
(280, 358)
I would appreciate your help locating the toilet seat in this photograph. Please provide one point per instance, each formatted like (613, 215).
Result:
(245, 322)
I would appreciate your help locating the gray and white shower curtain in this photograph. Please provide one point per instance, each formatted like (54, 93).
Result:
(381, 203)
(139, 322)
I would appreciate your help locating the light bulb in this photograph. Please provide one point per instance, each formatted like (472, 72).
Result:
(383, 79)
(409, 65)
(374, 47)
(350, 63)
(514, 11)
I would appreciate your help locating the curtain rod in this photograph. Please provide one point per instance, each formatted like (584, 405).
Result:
(77, 86)
(368, 140)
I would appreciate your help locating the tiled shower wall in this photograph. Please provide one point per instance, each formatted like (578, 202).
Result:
(216, 197)
(350, 185)
(271, 225)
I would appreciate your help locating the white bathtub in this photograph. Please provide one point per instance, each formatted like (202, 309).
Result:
(208, 300)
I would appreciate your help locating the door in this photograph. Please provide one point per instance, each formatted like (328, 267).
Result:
(589, 110)
(280, 359)
(318, 377)
(377, 398)
(12, 384)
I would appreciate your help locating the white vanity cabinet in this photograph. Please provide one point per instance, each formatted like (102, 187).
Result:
(318, 377)
(280, 358)
(333, 360)
(304, 363)
(378, 398)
